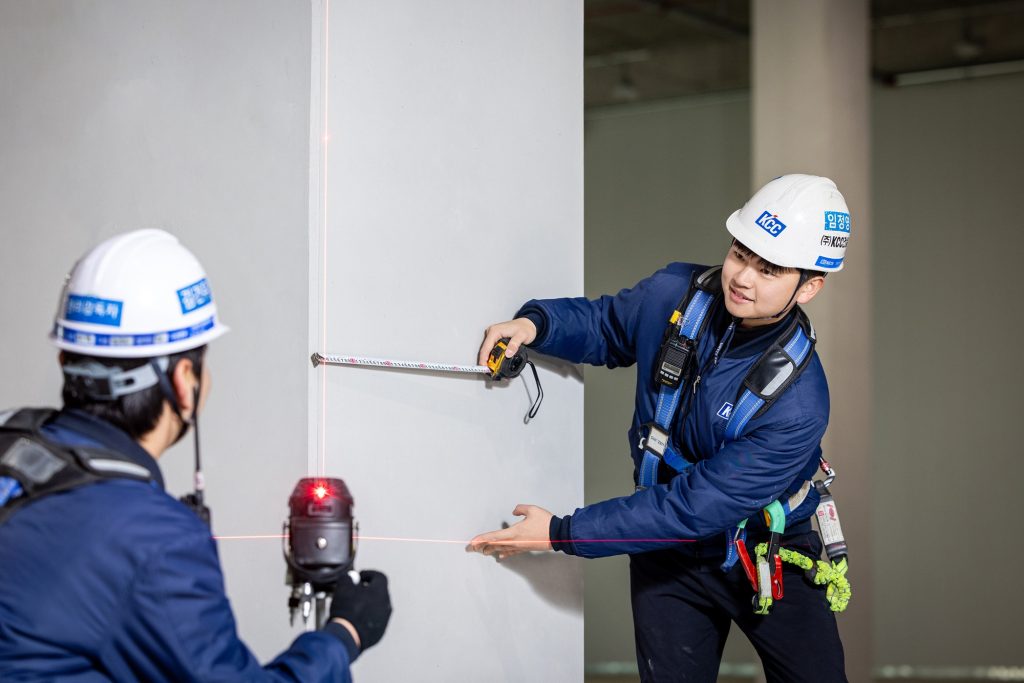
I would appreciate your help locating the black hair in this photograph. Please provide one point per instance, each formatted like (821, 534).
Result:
(136, 413)
(774, 269)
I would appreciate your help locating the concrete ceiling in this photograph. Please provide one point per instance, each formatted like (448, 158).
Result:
(640, 50)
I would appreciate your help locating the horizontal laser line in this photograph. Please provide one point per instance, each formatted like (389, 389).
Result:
(399, 539)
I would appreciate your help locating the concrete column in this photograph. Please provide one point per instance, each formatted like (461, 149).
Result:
(811, 115)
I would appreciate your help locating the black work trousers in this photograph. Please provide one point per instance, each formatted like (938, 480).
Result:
(682, 608)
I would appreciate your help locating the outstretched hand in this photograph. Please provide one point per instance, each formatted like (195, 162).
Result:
(519, 331)
(532, 533)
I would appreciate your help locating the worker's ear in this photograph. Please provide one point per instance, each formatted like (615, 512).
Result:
(184, 381)
(810, 289)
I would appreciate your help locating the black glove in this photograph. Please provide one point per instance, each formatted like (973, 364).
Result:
(366, 605)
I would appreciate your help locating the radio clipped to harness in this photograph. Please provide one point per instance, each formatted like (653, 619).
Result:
(674, 359)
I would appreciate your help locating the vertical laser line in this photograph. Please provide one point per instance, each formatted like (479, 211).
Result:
(322, 463)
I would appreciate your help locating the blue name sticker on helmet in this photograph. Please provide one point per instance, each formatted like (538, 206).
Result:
(828, 262)
(770, 223)
(837, 221)
(81, 338)
(89, 309)
(194, 296)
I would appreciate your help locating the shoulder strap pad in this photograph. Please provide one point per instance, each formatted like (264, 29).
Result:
(773, 373)
(783, 361)
(710, 280)
(42, 467)
(26, 419)
(704, 290)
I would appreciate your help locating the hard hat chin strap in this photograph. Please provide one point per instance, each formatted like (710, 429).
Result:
(163, 371)
(193, 500)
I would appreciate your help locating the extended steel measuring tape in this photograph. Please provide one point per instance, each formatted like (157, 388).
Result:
(498, 367)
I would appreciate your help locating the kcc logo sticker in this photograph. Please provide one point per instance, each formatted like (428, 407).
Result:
(770, 224)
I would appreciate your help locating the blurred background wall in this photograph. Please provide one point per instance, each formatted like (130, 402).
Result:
(453, 184)
(669, 156)
(946, 453)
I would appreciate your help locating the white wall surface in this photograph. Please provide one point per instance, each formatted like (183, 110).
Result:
(948, 447)
(454, 184)
(190, 116)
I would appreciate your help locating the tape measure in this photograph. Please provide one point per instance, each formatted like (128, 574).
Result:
(498, 367)
(391, 363)
(502, 367)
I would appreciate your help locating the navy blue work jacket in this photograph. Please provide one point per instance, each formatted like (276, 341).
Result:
(119, 581)
(729, 482)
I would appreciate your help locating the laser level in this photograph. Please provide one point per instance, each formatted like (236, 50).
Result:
(319, 545)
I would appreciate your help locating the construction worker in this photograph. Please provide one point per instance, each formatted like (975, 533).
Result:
(724, 467)
(103, 576)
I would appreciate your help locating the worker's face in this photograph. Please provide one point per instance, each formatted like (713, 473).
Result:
(753, 288)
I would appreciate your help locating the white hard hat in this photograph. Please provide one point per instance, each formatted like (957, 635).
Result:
(137, 295)
(796, 221)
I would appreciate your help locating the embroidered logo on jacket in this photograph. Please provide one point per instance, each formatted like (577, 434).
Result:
(725, 411)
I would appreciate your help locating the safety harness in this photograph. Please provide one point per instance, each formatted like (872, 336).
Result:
(772, 374)
(775, 371)
(32, 466)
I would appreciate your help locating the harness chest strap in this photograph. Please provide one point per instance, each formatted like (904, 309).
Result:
(774, 372)
(673, 373)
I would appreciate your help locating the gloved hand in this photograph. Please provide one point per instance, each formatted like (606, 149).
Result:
(366, 605)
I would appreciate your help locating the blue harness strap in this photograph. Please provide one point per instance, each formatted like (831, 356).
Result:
(657, 443)
(9, 488)
(755, 400)
(773, 373)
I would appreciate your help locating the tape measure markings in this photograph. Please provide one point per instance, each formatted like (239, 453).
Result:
(393, 363)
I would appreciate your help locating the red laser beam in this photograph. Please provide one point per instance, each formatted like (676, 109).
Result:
(402, 539)
(323, 188)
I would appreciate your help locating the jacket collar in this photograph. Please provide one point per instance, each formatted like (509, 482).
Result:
(78, 428)
(753, 342)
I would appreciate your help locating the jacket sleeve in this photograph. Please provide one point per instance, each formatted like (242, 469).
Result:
(600, 331)
(712, 496)
(181, 627)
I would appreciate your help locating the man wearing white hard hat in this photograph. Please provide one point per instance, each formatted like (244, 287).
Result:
(731, 406)
(103, 576)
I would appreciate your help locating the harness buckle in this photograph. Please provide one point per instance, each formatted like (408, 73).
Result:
(656, 440)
